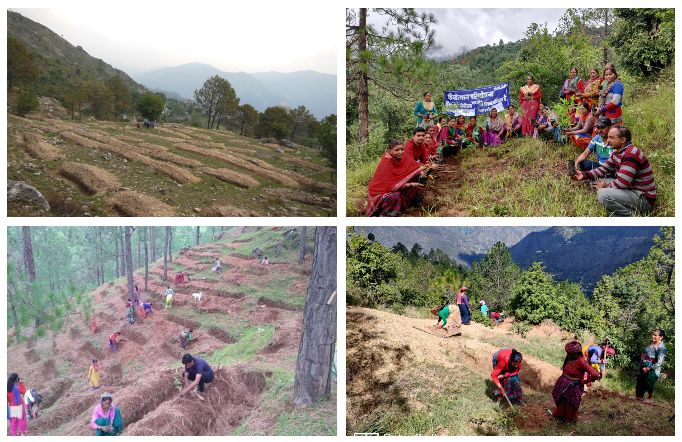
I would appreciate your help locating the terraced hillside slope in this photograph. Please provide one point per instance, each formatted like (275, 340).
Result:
(97, 168)
(247, 325)
(422, 384)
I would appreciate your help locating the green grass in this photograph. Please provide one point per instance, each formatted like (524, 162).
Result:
(430, 400)
(316, 420)
(547, 349)
(251, 340)
(233, 325)
(278, 290)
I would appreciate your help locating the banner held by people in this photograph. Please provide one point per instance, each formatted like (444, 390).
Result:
(477, 101)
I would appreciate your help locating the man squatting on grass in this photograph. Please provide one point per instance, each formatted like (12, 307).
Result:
(633, 190)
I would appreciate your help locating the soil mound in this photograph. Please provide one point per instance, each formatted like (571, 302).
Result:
(90, 179)
(131, 203)
(231, 396)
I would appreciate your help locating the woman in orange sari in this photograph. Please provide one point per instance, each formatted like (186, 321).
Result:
(581, 133)
(591, 92)
(394, 185)
(529, 96)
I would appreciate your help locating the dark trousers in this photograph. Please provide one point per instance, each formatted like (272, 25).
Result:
(205, 379)
(644, 385)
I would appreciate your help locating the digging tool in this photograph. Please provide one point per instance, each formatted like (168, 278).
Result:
(606, 353)
(507, 398)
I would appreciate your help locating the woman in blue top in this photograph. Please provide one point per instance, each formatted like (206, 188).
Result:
(484, 308)
(425, 111)
(650, 364)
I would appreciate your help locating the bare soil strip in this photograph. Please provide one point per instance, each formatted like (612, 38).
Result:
(131, 203)
(232, 177)
(176, 173)
(252, 165)
(91, 179)
(38, 148)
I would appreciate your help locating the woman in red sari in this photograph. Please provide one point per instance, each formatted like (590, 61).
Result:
(530, 96)
(568, 389)
(394, 185)
(431, 141)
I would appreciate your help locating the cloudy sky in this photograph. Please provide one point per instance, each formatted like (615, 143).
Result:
(460, 29)
(237, 36)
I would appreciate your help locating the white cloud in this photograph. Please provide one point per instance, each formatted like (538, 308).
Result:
(231, 36)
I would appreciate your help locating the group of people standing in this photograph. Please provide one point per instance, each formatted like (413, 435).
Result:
(582, 366)
(620, 171)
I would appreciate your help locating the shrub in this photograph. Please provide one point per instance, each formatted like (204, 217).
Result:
(27, 102)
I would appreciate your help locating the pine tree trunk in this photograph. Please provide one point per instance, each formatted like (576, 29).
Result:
(29, 262)
(118, 264)
(198, 235)
(301, 256)
(318, 341)
(123, 255)
(165, 255)
(170, 244)
(146, 258)
(153, 243)
(13, 310)
(363, 91)
(129, 261)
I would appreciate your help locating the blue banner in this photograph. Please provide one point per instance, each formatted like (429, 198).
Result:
(477, 101)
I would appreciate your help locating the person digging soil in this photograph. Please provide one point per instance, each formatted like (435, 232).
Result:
(199, 372)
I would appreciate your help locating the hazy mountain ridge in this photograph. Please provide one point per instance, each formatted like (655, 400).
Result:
(577, 254)
(316, 91)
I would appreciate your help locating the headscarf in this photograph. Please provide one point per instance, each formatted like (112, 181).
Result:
(389, 176)
(573, 347)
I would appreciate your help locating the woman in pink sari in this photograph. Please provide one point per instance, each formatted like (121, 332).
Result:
(530, 96)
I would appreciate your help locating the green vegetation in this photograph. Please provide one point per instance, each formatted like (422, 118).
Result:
(251, 340)
(523, 177)
(150, 105)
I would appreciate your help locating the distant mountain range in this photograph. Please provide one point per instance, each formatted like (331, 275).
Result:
(314, 90)
(64, 66)
(577, 254)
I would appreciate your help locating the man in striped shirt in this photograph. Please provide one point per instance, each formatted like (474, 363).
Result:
(633, 189)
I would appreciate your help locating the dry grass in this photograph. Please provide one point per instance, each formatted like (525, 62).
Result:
(161, 153)
(301, 197)
(131, 203)
(92, 179)
(172, 132)
(38, 148)
(254, 166)
(307, 164)
(176, 173)
(226, 210)
(230, 176)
